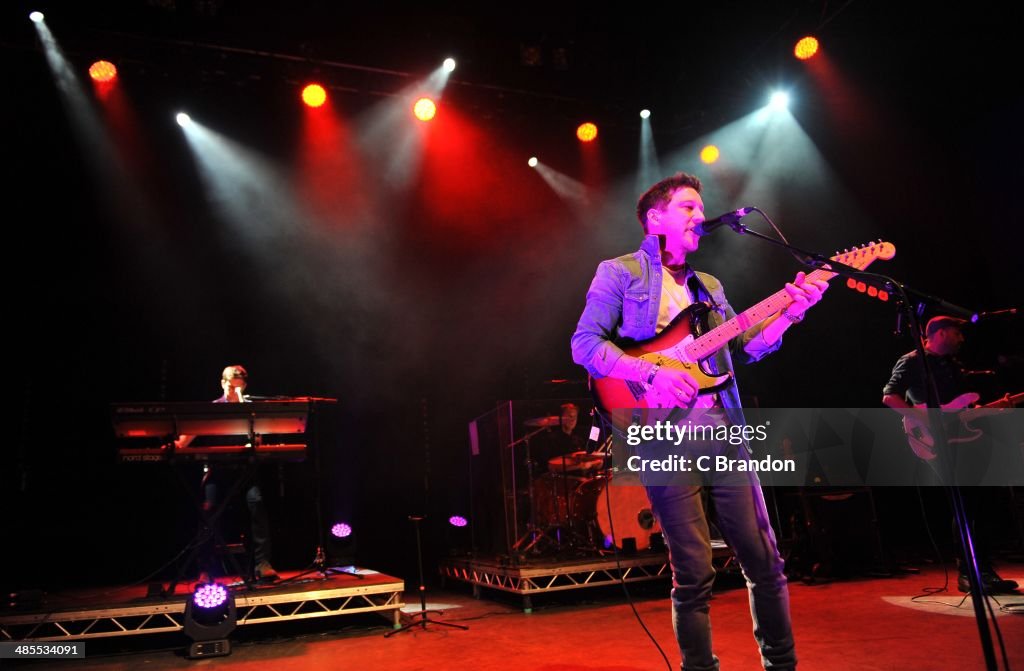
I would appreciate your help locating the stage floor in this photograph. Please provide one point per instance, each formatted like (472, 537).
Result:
(853, 624)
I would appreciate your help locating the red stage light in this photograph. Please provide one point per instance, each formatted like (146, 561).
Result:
(872, 292)
(587, 132)
(851, 283)
(103, 72)
(314, 95)
(883, 295)
(709, 154)
(806, 48)
(424, 109)
(862, 287)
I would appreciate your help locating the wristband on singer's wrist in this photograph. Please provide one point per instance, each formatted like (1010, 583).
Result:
(792, 318)
(654, 371)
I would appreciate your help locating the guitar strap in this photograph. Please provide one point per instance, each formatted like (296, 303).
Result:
(701, 294)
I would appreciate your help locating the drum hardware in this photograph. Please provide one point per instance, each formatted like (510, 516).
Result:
(595, 505)
(578, 503)
(529, 541)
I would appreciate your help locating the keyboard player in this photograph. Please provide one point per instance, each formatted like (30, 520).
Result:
(234, 380)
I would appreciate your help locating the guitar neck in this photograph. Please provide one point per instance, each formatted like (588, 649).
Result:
(1006, 402)
(719, 337)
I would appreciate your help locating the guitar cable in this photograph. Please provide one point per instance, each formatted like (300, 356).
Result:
(599, 424)
(622, 575)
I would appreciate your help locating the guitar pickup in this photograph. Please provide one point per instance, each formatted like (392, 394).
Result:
(637, 389)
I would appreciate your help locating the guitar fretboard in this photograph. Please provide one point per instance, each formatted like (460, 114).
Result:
(719, 337)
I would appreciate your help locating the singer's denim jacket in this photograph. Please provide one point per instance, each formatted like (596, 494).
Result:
(622, 304)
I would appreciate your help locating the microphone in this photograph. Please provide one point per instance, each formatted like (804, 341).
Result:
(727, 219)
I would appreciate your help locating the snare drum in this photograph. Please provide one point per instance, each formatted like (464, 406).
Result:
(575, 461)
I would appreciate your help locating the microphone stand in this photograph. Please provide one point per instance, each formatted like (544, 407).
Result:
(533, 535)
(943, 459)
(943, 462)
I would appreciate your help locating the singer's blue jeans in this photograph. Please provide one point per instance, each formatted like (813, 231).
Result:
(743, 521)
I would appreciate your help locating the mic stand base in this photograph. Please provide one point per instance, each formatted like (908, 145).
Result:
(320, 566)
(423, 621)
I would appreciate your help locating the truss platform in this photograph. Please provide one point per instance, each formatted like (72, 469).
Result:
(542, 576)
(129, 612)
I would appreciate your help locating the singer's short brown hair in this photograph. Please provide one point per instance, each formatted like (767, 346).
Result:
(659, 194)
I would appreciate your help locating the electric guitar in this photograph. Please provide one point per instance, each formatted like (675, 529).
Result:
(919, 434)
(681, 346)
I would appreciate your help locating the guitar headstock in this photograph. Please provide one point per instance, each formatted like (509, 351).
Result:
(862, 257)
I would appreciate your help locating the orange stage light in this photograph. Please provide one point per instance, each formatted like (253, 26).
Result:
(806, 48)
(424, 109)
(103, 72)
(709, 154)
(587, 132)
(314, 95)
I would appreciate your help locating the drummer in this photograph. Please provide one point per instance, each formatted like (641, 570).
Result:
(569, 439)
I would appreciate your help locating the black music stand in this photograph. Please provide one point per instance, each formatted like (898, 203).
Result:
(423, 619)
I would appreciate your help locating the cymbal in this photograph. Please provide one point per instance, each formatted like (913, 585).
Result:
(553, 420)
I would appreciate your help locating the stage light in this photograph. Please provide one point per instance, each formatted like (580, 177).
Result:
(587, 132)
(709, 154)
(779, 100)
(341, 545)
(183, 119)
(103, 72)
(210, 595)
(210, 617)
(314, 95)
(424, 109)
(645, 114)
(862, 287)
(457, 537)
(36, 17)
(532, 162)
(449, 65)
(806, 48)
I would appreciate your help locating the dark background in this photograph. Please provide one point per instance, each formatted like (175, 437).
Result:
(422, 306)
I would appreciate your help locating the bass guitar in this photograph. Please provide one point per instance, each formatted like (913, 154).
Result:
(919, 434)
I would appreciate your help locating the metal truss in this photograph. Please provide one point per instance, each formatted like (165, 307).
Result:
(169, 616)
(555, 577)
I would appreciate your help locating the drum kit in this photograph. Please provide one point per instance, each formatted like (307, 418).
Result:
(581, 506)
